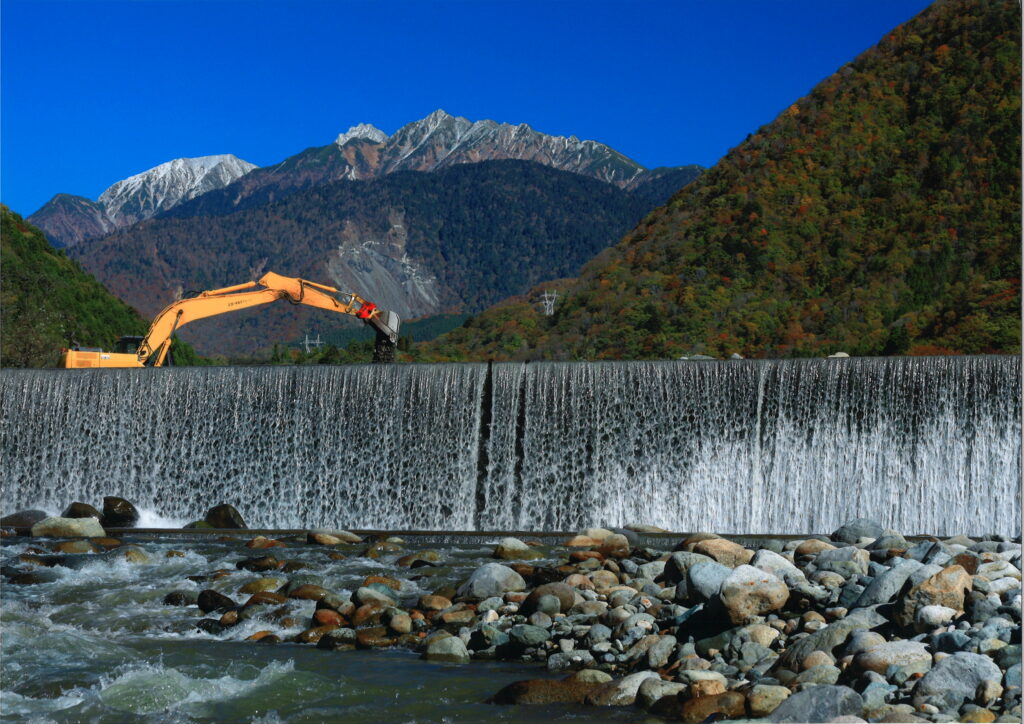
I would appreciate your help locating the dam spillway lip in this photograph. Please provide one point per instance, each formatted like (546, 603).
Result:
(452, 537)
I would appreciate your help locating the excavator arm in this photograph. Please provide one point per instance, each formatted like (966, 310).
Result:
(153, 349)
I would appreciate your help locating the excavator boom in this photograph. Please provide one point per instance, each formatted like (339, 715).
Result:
(153, 349)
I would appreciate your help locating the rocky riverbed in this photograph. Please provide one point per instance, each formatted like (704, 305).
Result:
(860, 624)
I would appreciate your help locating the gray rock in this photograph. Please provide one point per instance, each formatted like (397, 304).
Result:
(486, 637)
(68, 528)
(651, 690)
(819, 703)
(548, 604)
(950, 641)
(511, 549)
(23, 519)
(490, 604)
(1011, 679)
(492, 579)
(896, 659)
(836, 633)
(597, 633)
(526, 635)
(856, 529)
(954, 680)
(658, 655)
(450, 649)
(366, 594)
(564, 661)
(847, 562)
(118, 513)
(889, 541)
(620, 692)
(219, 516)
(747, 592)
(679, 563)
(651, 570)
(820, 674)
(777, 565)
(885, 587)
(539, 618)
(876, 694)
(704, 579)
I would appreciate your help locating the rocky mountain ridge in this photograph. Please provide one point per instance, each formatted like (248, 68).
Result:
(362, 153)
(68, 220)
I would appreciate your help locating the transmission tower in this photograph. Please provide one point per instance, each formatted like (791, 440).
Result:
(314, 343)
(548, 300)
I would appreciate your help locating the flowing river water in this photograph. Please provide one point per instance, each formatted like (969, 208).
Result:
(92, 641)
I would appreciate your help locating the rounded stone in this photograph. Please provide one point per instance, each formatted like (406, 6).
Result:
(81, 510)
(491, 579)
(749, 592)
(224, 516)
(563, 593)
(118, 513)
(68, 528)
(450, 649)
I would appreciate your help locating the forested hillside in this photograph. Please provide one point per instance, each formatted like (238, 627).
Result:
(48, 302)
(878, 215)
(453, 240)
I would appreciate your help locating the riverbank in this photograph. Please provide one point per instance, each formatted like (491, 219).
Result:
(603, 624)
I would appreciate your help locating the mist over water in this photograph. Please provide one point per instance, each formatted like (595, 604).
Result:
(925, 445)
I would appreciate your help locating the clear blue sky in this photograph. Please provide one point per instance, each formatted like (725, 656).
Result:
(93, 92)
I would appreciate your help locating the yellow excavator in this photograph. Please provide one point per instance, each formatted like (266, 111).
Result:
(153, 349)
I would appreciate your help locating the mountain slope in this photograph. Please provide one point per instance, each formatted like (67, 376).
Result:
(68, 220)
(417, 243)
(46, 300)
(878, 215)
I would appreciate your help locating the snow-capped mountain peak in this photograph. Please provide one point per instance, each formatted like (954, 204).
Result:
(160, 188)
(365, 131)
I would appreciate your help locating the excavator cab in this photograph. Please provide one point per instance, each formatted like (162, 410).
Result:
(128, 345)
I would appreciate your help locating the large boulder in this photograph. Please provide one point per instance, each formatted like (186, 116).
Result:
(546, 691)
(856, 529)
(491, 579)
(679, 563)
(81, 510)
(564, 593)
(847, 561)
(886, 585)
(724, 551)
(23, 519)
(955, 679)
(777, 565)
(450, 649)
(224, 516)
(620, 692)
(908, 658)
(749, 592)
(118, 513)
(513, 549)
(946, 588)
(828, 638)
(69, 528)
(819, 703)
(704, 580)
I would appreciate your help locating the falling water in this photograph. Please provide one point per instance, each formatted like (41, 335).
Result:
(373, 446)
(925, 445)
